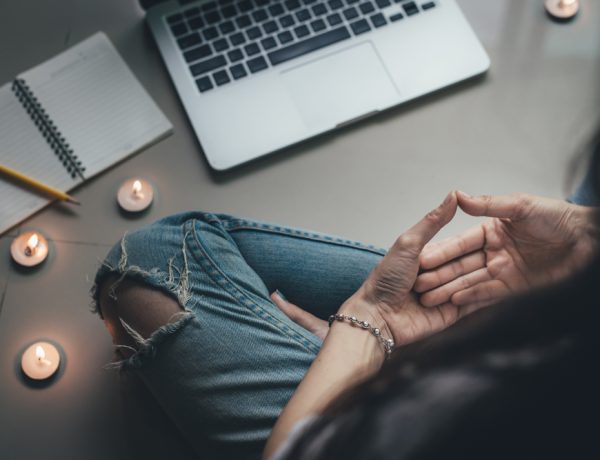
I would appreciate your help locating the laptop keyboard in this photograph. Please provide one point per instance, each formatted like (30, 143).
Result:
(228, 40)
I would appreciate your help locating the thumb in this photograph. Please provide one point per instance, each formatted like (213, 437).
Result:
(502, 206)
(301, 317)
(419, 234)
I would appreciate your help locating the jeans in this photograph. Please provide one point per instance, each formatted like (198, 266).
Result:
(229, 364)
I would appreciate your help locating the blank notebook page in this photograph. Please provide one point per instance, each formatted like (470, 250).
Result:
(97, 103)
(24, 149)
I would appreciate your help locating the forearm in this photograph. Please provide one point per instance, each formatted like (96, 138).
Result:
(348, 355)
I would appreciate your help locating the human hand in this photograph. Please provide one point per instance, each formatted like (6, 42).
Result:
(307, 320)
(529, 241)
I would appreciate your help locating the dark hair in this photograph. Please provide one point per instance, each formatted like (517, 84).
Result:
(519, 380)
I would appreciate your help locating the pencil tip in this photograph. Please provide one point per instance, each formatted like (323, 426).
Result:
(74, 201)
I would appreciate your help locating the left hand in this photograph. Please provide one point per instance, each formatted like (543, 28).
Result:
(386, 299)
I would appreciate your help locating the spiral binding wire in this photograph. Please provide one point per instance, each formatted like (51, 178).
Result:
(46, 126)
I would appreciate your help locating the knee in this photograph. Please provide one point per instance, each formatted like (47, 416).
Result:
(142, 307)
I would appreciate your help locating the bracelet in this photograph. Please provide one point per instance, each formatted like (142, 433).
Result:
(388, 344)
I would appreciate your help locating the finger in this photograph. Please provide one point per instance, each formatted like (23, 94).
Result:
(503, 206)
(419, 234)
(487, 291)
(447, 292)
(449, 272)
(300, 316)
(441, 252)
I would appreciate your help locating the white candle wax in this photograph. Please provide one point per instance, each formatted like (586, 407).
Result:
(29, 249)
(40, 361)
(135, 195)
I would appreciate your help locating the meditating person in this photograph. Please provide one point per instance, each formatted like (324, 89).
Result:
(192, 306)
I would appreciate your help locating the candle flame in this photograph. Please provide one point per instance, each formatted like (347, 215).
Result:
(39, 352)
(32, 242)
(137, 187)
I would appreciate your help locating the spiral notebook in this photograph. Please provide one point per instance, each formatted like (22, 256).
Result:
(70, 118)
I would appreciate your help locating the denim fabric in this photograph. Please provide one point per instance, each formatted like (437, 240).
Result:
(585, 194)
(224, 370)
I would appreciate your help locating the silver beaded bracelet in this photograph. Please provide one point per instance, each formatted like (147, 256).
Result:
(388, 344)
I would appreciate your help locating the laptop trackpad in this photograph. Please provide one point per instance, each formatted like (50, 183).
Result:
(340, 87)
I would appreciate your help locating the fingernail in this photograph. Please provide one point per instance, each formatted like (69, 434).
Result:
(447, 199)
(464, 195)
(279, 293)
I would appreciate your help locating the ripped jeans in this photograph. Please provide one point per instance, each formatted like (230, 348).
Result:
(224, 370)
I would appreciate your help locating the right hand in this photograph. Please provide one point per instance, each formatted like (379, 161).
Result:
(528, 242)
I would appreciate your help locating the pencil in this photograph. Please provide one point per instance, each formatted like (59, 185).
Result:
(37, 185)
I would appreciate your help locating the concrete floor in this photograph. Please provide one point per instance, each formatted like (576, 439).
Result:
(513, 130)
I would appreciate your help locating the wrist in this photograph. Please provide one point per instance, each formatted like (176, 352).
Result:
(357, 306)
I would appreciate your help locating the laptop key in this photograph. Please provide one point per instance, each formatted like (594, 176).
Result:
(245, 5)
(378, 20)
(428, 5)
(243, 21)
(319, 10)
(196, 23)
(366, 7)
(410, 8)
(212, 17)
(228, 11)
(220, 44)
(226, 27)
(350, 13)
(238, 71)
(270, 27)
(175, 18)
(179, 29)
(286, 21)
(254, 33)
(209, 6)
(251, 49)
(235, 55)
(383, 3)
(292, 4)
(237, 39)
(303, 15)
(204, 84)
(335, 4)
(318, 25)
(268, 43)
(276, 10)
(257, 64)
(285, 37)
(310, 44)
(189, 40)
(260, 15)
(199, 52)
(221, 77)
(360, 27)
(334, 19)
(206, 66)
(396, 17)
(210, 33)
(302, 31)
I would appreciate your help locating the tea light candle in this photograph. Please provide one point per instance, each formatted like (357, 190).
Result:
(135, 195)
(40, 361)
(29, 249)
(562, 9)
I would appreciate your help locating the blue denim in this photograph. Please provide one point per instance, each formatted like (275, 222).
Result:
(226, 368)
(585, 194)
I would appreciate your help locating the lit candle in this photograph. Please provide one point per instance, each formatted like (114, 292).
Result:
(29, 249)
(135, 195)
(40, 361)
(562, 9)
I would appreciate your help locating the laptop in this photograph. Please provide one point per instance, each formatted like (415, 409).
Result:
(257, 76)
